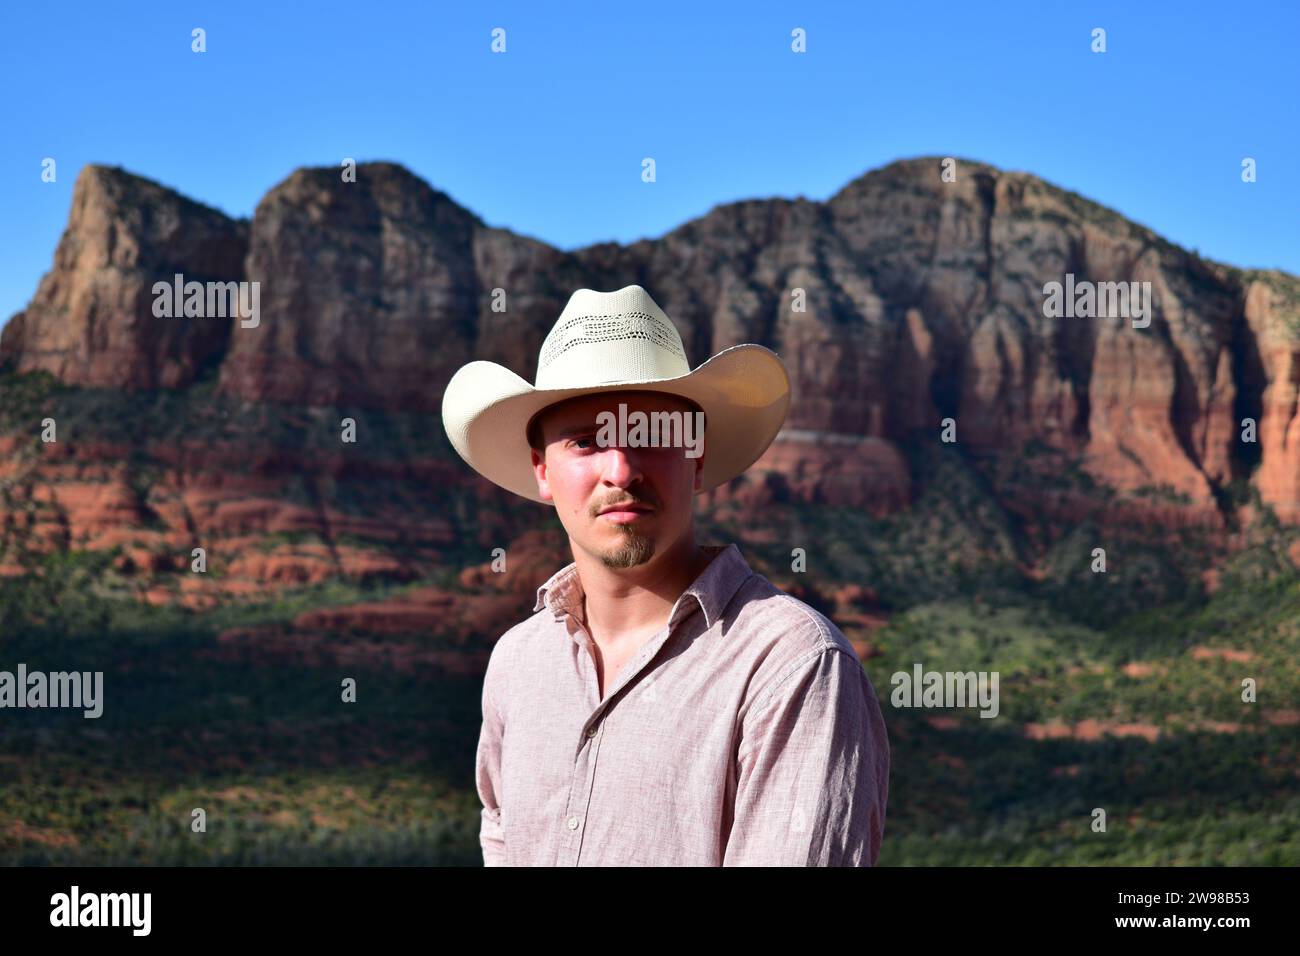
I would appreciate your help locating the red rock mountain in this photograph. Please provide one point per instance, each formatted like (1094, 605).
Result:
(924, 301)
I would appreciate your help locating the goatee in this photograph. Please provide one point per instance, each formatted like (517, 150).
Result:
(635, 549)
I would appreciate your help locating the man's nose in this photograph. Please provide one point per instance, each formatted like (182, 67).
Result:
(621, 466)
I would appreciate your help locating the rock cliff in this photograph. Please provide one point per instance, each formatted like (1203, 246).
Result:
(901, 301)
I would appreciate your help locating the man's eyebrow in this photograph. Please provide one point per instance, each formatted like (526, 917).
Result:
(577, 429)
(591, 426)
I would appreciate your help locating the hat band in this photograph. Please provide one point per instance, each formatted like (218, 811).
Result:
(609, 363)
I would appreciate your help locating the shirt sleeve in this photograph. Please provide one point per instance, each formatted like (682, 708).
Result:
(812, 769)
(488, 777)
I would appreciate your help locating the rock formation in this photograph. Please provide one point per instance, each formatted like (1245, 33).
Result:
(900, 301)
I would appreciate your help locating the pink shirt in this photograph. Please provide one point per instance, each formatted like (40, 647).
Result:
(746, 732)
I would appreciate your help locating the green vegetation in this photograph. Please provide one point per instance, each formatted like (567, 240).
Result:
(288, 774)
(285, 772)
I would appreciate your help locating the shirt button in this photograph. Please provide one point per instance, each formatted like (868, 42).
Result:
(591, 731)
(573, 823)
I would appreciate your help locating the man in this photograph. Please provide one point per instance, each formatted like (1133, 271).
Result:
(664, 705)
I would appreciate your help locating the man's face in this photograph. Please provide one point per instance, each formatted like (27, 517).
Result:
(583, 479)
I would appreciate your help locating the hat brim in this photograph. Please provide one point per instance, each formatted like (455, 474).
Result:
(744, 392)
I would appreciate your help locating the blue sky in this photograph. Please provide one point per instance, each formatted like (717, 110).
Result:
(547, 139)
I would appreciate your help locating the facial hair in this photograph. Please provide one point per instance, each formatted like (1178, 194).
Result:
(635, 548)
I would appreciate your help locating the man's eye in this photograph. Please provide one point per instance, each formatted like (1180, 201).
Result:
(575, 441)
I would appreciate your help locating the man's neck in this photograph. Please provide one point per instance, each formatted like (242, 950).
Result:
(631, 604)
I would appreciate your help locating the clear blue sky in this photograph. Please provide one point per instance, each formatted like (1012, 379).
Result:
(547, 139)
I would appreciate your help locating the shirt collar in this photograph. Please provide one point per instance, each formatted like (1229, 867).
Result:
(716, 585)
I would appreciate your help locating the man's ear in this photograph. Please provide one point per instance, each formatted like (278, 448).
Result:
(539, 472)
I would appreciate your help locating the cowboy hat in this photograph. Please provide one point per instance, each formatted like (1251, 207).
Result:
(609, 342)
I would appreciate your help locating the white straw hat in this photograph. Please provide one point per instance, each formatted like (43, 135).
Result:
(608, 342)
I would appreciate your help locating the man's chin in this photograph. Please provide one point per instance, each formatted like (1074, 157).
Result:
(633, 549)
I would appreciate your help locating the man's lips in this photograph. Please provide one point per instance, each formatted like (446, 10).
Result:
(630, 508)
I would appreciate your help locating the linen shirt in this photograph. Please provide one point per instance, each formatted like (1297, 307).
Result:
(745, 732)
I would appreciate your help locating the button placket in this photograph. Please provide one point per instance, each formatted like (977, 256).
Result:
(592, 755)
(572, 822)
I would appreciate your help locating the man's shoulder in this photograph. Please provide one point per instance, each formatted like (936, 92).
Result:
(785, 636)
(509, 651)
(784, 627)
(518, 637)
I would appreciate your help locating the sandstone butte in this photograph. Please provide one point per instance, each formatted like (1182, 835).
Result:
(924, 301)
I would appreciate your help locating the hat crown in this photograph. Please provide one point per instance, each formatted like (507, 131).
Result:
(606, 337)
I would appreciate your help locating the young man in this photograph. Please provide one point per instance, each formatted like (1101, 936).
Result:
(664, 705)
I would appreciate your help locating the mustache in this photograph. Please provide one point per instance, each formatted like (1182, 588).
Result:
(629, 501)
